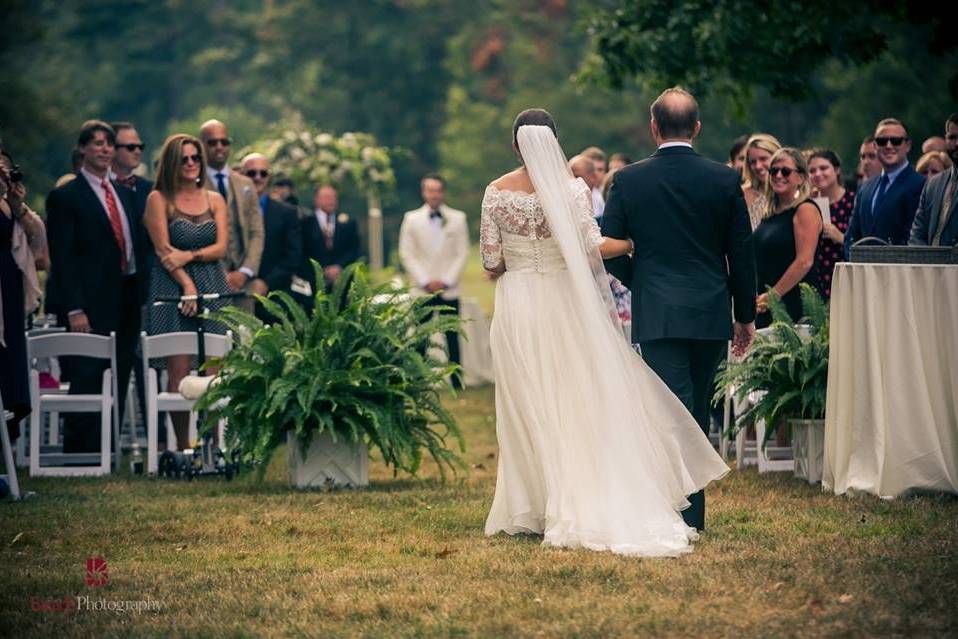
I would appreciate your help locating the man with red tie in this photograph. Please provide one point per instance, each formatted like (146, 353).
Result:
(95, 232)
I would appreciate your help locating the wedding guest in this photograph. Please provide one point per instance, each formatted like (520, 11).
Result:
(245, 246)
(786, 239)
(284, 190)
(616, 162)
(932, 163)
(585, 168)
(885, 205)
(433, 249)
(736, 154)
(188, 225)
(936, 222)
(22, 253)
(601, 164)
(76, 161)
(758, 152)
(97, 272)
(282, 248)
(330, 237)
(934, 143)
(824, 171)
(868, 155)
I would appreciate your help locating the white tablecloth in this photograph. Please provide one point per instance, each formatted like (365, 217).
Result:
(891, 421)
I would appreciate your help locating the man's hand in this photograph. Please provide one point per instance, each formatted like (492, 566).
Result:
(744, 335)
(436, 286)
(258, 287)
(79, 323)
(332, 273)
(236, 280)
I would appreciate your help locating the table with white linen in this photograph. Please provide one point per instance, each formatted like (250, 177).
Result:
(891, 419)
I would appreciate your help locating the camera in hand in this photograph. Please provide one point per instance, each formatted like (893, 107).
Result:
(16, 175)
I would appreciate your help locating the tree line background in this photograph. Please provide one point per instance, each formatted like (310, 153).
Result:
(441, 80)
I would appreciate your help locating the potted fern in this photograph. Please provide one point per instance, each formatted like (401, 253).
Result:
(352, 373)
(787, 368)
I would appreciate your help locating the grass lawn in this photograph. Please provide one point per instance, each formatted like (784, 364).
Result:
(407, 557)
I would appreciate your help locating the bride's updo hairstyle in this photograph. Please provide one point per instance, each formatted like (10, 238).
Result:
(534, 117)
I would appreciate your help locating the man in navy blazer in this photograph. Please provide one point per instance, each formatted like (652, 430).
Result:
(885, 205)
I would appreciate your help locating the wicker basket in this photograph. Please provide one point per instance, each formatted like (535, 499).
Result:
(866, 250)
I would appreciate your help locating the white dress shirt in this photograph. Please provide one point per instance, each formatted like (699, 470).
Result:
(327, 221)
(210, 171)
(95, 182)
(891, 180)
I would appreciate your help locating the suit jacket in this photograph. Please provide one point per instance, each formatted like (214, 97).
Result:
(139, 193)
(282, 249)
(425, 260)
(687, 217)
(245, 246)
(84, 256)
(928, 217)
(896, 210)
(345, 248)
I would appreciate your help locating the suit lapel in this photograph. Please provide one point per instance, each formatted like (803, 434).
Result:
(92, 204)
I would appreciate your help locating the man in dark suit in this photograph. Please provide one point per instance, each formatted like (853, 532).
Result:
(687, 218)
(885, 205)
(282, 248)
(330, 237)
(96, 273)
(936, 222)
(129, 156)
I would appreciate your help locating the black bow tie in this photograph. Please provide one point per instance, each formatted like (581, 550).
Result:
(434, 214)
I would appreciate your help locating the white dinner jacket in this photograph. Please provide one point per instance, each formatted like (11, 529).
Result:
(424, 259)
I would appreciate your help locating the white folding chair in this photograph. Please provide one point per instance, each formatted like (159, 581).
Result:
(53, 430)
(52, 401)
(8, 453)
(165, 345)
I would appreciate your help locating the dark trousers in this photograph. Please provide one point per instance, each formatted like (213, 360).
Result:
(81, 432)
(687, 366)
(452, 337)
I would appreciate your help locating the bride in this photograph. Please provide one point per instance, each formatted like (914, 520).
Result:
(595, 451)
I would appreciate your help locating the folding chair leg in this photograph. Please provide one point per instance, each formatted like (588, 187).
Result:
(8, 457)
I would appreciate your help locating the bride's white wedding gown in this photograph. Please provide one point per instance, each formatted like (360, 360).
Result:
(586, 458)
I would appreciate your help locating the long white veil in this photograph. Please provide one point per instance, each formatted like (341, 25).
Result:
(550, 175)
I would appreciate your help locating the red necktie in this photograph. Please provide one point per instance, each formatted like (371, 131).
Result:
(114, 212)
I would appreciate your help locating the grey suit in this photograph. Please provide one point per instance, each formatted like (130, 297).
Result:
(929, 214)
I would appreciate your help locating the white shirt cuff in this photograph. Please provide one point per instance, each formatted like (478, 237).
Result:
(247, 272)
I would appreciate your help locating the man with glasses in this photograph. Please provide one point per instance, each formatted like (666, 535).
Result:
(885, 205)
(245, 248)
(936, 223)
(282, 248)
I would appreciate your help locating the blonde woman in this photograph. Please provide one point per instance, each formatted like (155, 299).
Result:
(787, 237)
(932, 163)
(187, 224)
(758, 154)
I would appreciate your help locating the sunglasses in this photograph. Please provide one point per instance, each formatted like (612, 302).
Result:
(219, 141)
(253, 173)
(895, 141)
(131, 147)
(784, 170)
(187, 159)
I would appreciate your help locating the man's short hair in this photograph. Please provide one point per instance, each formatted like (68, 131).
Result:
(891, 122)
(675, 120)
(433, 176)
(89, 129)
(953, 119)
(120, 126)
(283, 180)
(869, 139)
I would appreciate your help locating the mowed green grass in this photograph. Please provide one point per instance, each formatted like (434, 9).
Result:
(407, 558)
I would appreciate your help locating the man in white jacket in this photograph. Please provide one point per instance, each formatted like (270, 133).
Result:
(433, 248)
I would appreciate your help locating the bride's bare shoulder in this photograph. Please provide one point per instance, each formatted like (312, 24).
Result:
(517, 180)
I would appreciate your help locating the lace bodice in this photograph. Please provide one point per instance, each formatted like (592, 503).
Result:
(514, 233)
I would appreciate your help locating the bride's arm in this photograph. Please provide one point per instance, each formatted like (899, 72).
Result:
(612, 247)
(490, 241)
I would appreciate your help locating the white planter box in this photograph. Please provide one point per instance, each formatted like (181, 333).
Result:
(808, 448)
(328, 464)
